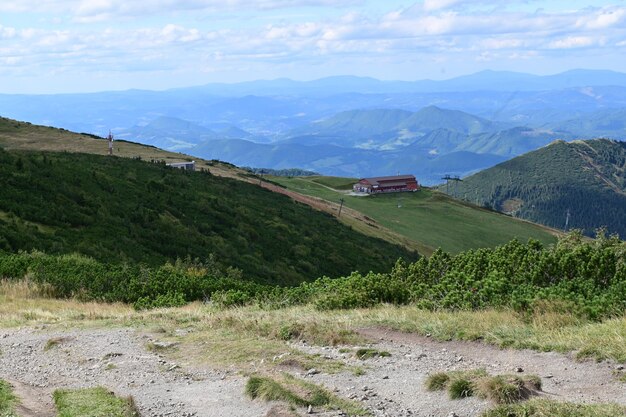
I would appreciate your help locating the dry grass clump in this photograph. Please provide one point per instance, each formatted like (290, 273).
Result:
(501, 389)
(296, 392)
(367, 353)
(25, 289)
(438, 381)
(56, 341)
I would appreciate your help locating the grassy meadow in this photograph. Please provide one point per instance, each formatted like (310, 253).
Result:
(428, 217)
(232, 330)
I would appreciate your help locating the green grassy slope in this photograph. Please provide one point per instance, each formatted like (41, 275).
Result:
(588, 178)
(117, 209)
(338, 183)
(430, 218)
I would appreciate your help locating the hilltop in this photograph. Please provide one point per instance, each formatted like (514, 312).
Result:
(585, 178)
(129, 209)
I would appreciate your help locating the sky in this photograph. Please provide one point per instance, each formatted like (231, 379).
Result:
(68, 46)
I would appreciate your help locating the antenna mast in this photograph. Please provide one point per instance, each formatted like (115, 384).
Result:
(456, 180)
(447, 178)
(110, 139)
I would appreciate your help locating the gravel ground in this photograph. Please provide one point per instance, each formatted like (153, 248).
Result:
(394, 386)
(391, 386)
(117, 359)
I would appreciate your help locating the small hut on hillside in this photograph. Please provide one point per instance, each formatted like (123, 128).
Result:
(393, 184)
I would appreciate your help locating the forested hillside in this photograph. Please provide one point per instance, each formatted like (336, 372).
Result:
(119, 209)
(585, 178)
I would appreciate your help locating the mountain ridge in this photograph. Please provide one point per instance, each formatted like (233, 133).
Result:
(581, 184)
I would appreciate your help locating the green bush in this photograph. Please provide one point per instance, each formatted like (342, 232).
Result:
(579, 277)
(586, 278)
(230, 298)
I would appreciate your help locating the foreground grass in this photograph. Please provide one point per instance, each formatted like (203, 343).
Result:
(7, 400)
(296, 392)
(546, 408)
(92, 402)
(229, 334)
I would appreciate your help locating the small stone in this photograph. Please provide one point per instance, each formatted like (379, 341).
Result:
(619, 367)
(312, 371)
(310, 409)
(386, 377)
(549, 376)
(518, 369)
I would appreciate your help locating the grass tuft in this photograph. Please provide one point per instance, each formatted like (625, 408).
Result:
(93, 402)
(501, 389)
(548, 408)
(367, 353)
(460, 388)
(437, 382)
(54, 342)
(296, 392)
(7, 400)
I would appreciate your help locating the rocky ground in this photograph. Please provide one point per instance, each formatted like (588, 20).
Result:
(38, 361)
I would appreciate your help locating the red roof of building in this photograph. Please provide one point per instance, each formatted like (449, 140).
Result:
(393, 178)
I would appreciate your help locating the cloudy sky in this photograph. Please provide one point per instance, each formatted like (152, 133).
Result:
(51, 46)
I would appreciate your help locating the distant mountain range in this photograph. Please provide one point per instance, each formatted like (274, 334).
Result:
(352, 125)
(576, 185)
(429, 143)
(485, 80)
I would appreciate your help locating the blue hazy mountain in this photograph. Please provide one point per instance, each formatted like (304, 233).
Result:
(330, 123)
(481, 81)
(351, 162)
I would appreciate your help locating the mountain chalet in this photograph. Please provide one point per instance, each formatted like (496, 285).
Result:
(393, 184)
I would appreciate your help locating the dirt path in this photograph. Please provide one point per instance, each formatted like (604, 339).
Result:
(34, 401)
(119, 360)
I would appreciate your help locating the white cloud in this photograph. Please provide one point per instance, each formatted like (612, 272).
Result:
(7, 32)
(603, 19)
(436, 32)
(502, 43)
(572, 42)
(431, 5)
(93, 10)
